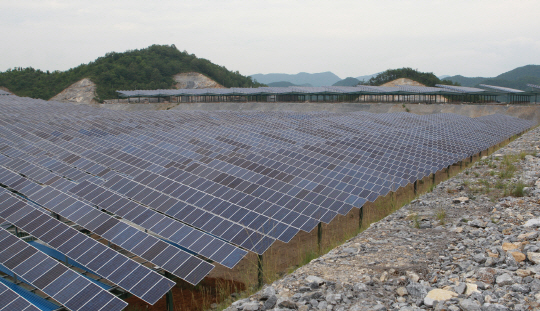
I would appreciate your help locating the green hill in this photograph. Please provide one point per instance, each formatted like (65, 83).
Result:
(149, 68)
(517, 78)
(350, 81)
(426, 78)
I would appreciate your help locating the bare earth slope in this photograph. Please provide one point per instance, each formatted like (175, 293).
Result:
(195, 80)
(5, 89)
(403, 81)
(81, 92)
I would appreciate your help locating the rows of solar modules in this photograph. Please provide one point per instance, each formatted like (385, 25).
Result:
(13, 301)
(178, 189)
(299, 90)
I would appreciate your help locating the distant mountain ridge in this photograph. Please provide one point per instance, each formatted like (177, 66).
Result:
(316, 79)
(286, 84)
(517, 78)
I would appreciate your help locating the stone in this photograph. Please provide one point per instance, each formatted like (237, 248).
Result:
(379, 307)
(438, 295)
(384, 276)
(460, 200)
(477, 223)
(460, 288)
(251, 306)
(312, 278)
(270, 302)
(360, 287)
(532, 223)
(471, 288)
(528, 236)
(469, 305)
(350, 250)
(518, 256)
(523, 273)
(486, 275)
(504, 279)
(287, 304)
(402, 291)
(510, 246)
(303, 308)
(417, 290)
(494, 307)
(333, 298)
(267, 292)
(413, 277)
(520, 288)
(533, 257)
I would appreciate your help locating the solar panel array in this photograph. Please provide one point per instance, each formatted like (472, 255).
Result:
(11, 301)
(501, 88)
(2, 92)
(181, 189)
(299, 90)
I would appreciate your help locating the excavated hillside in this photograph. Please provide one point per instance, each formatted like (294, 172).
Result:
(195, 80)
(403, 81)
(80, 92)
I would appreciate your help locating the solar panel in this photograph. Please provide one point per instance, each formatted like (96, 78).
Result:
(11, 301)
(101, 223)
(501, 88)
(86, 251)
(462, 89)
(223, 182)
(45, 273)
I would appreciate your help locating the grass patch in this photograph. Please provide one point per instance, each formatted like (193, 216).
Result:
(518, 189)
(441, 216)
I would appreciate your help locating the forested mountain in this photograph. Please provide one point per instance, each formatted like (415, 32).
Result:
(517, 78)
(426, 78)
(149, 68)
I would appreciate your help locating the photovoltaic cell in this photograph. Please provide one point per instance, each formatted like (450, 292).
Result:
(21, 258)
(216, 182)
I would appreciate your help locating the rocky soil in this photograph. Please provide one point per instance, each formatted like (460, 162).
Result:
(471, 244)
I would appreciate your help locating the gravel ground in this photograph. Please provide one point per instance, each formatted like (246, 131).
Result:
(470, 244)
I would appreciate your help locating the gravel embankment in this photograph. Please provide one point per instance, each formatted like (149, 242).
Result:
(471, 244)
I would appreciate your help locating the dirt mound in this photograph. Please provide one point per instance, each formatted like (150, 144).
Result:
(195, 80)
(81, 92)
(403, 81)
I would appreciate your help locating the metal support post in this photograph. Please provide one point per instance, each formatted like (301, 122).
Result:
(361, 217)
(415, 188)
(169, 300)
(260, 278)
(319, 236)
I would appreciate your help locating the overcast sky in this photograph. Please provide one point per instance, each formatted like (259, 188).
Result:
(349, 38)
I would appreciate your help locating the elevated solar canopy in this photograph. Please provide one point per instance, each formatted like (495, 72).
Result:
(179, 190)
(366, 93)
